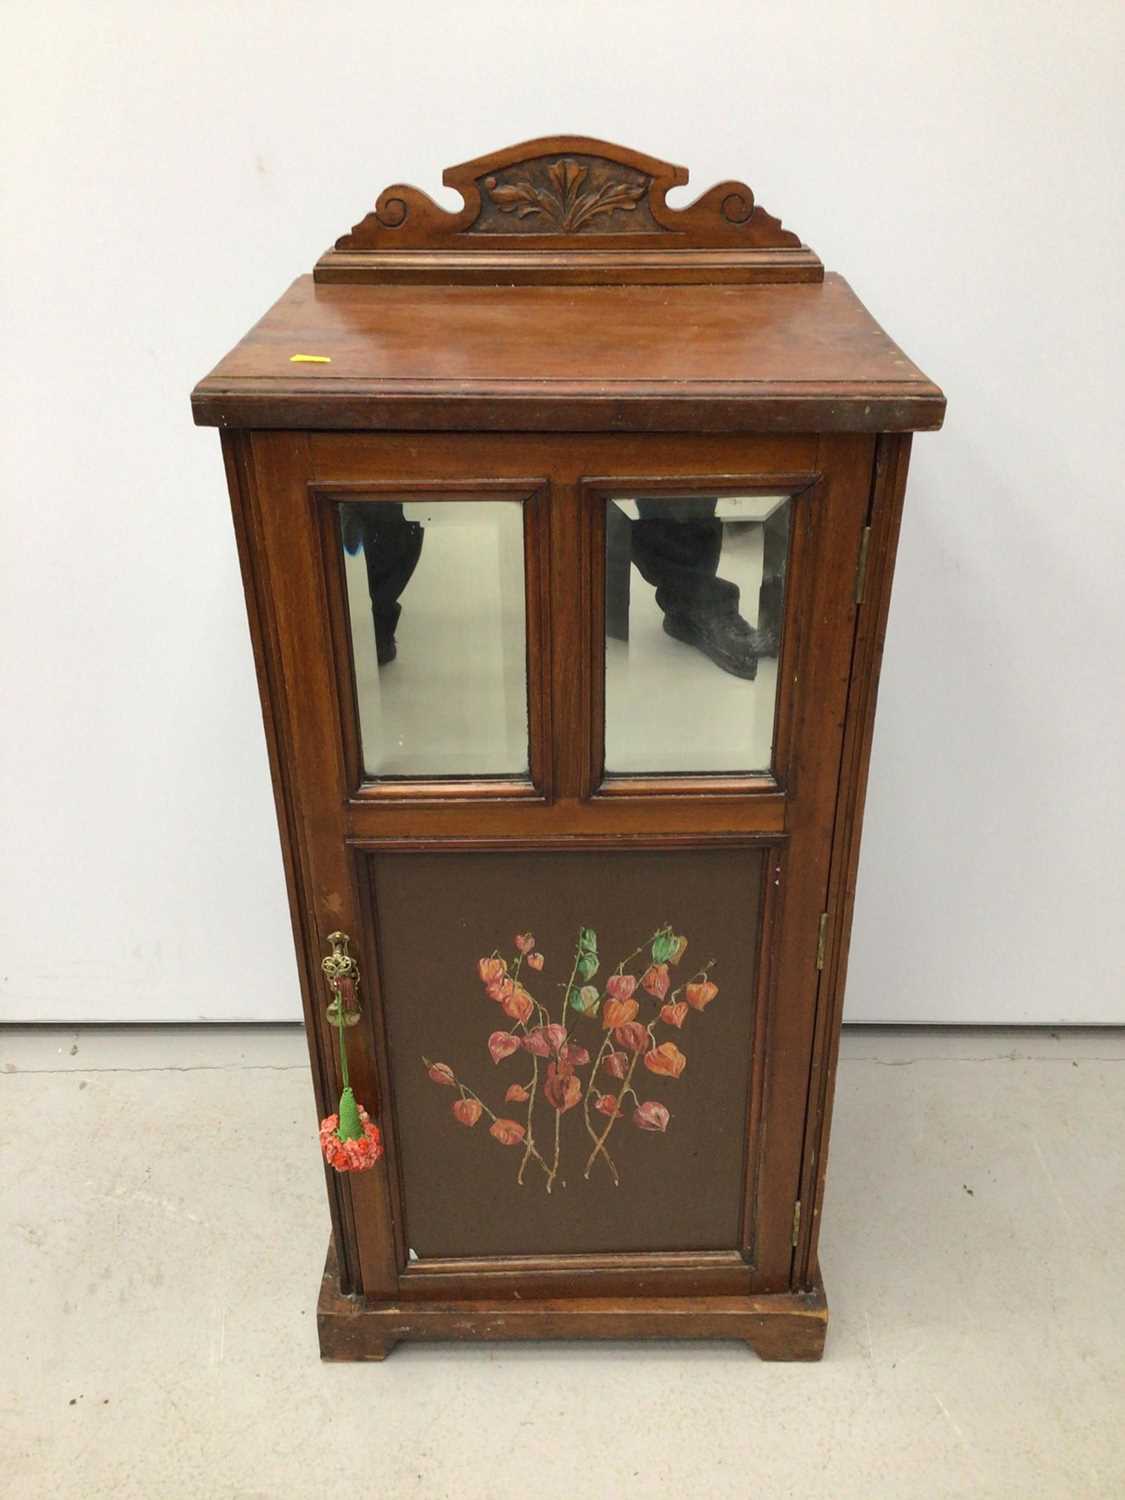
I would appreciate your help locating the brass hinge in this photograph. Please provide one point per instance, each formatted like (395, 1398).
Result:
(821, 939)
(796, 1222)
(861, 565)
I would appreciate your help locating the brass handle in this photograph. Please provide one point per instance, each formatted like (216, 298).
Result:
(342, 973)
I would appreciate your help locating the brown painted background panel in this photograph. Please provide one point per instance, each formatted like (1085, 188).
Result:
(681, 1189)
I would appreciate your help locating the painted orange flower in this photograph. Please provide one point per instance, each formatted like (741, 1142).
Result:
(700, 993)
(675, 1015)
(541, 1041)
(632, 1035)
(667, 1059)
(507, 1132)
(617, 1012)
(655, 980)
(441, 1073)
(562, 1088)
(492, 968)
(535, 960)
(518, 1004)
(679, 950)
(620, 986)
(525, 942)
(466, 1111)
(608, 1105)
(516, 1094)
(502, 1044)
(616, 1064)
(651, 1116)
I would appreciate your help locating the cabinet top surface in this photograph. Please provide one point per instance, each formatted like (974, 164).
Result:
(781, 357)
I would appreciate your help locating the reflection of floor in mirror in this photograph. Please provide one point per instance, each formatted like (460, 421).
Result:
(453, 702)
(668, 707)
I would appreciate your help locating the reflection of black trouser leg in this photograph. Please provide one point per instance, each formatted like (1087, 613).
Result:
(676, 547)
(392, 546)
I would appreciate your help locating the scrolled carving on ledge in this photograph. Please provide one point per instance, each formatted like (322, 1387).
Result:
(567, 193)
(392, 208)
(737, 207)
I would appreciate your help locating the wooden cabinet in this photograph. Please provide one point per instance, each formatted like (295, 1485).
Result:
(567, 525)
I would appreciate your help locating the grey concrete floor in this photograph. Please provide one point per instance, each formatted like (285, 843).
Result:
(163, 1226)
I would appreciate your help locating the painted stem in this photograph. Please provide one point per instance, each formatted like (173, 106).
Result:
(529, 1142)
(555, 1168)
(612, 1121)
(466, 1091)
(529, 1138)
(599, 1145)
(562, 1021)
(586, 1111)
(646, 944)
(569, 987)
(625, 1089)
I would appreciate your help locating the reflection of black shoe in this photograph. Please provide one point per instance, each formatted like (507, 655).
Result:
(385, 621)
(727, 639)
(766, 639)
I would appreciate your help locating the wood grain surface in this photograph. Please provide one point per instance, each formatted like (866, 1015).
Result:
(706, 358)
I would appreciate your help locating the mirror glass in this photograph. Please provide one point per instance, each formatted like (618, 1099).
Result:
(435, 594)
(695, 590)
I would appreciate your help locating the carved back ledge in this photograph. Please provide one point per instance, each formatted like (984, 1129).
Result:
(566, 209)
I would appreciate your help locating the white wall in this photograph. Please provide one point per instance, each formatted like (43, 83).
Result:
(170, 167)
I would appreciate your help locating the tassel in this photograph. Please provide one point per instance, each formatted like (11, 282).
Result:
(350, 1140)
(349, 1128)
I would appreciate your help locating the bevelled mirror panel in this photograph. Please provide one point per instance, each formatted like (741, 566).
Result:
(694, 604)
(435, 592)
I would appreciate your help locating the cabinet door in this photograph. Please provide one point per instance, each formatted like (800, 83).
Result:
(559, 723)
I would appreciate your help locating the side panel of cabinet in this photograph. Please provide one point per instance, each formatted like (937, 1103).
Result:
(888, 490)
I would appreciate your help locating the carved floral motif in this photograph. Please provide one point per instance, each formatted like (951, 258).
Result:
(563, 204)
